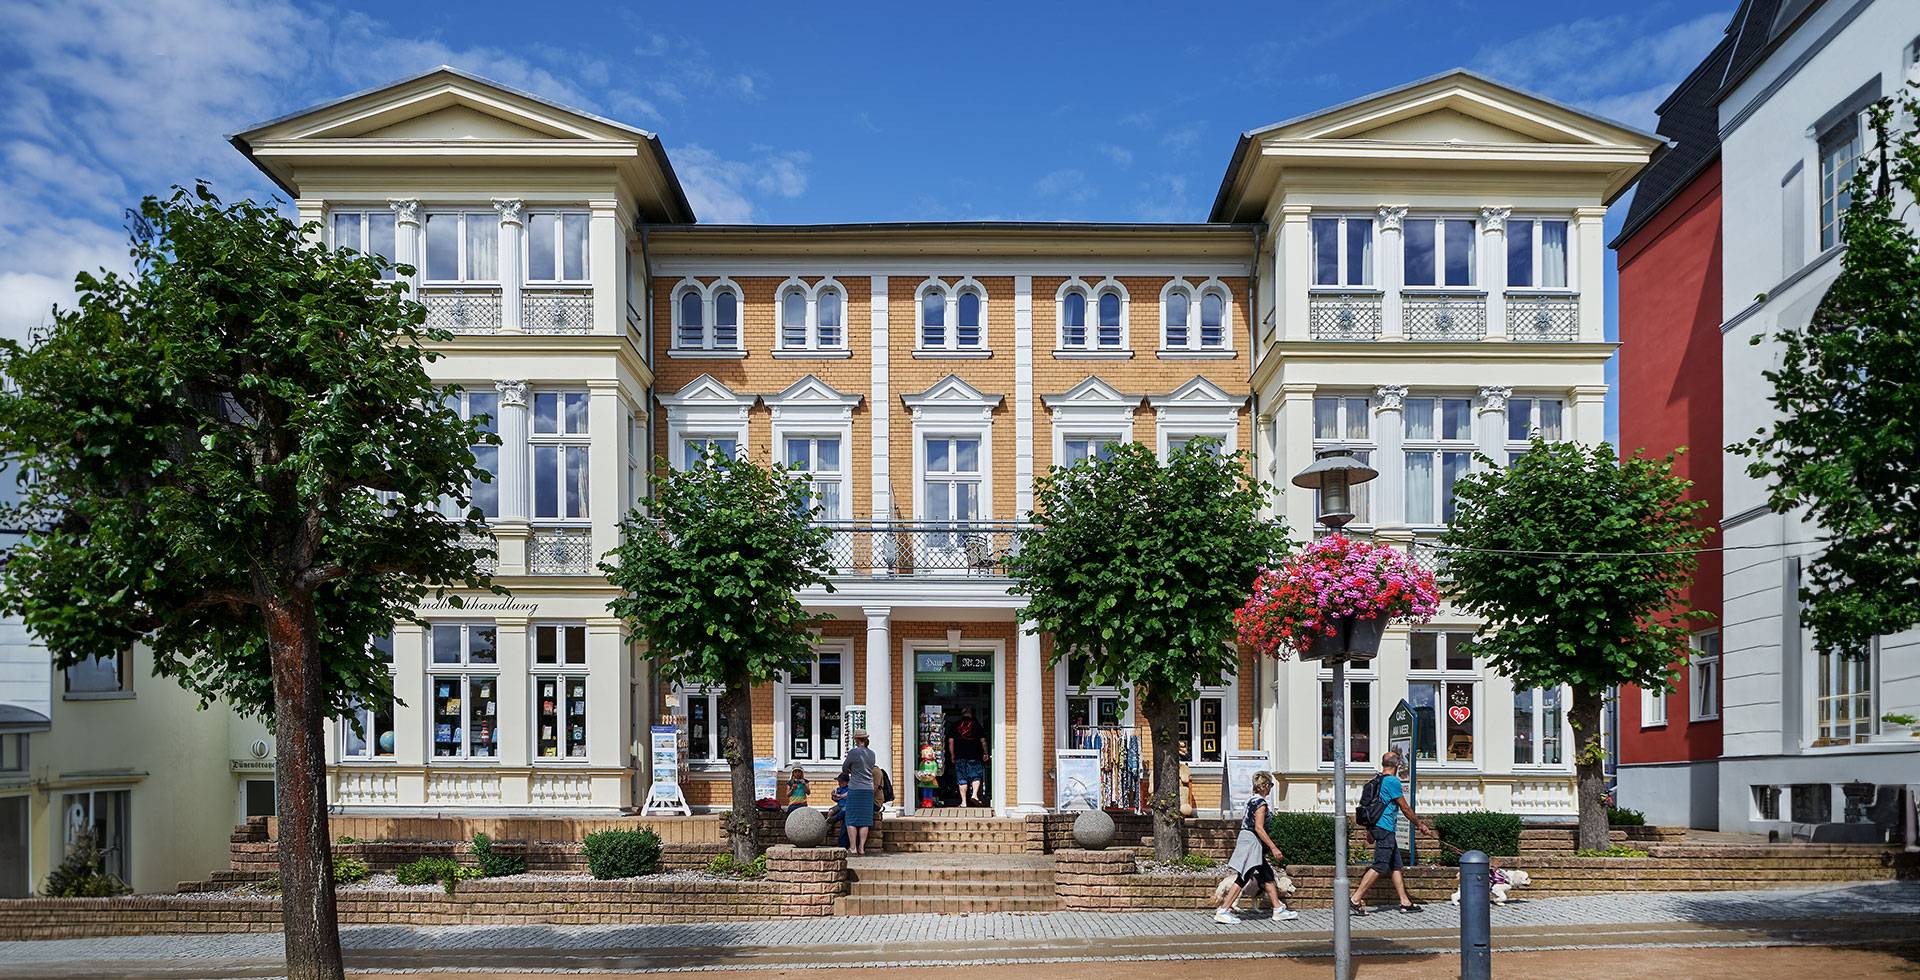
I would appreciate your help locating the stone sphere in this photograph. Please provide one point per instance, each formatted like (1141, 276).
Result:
(1093, 830)
(806, 827)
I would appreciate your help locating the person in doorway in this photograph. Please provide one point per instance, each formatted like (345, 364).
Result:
(967, 747)
(797, 790)
(1390, 800)
(858, 768)
(1249, 861)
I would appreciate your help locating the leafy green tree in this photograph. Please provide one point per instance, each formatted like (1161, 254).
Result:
(1846, 443)
(708, 580)
(1575, 559)
(238, 460)
(1136, 569)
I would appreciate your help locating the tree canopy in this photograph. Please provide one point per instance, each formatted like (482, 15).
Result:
(1846, 443)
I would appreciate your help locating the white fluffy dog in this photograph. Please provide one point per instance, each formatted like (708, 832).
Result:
(1500, 882)
(1281, 881)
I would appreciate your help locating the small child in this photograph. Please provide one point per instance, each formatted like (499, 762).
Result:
(839, 811)
(797, 790)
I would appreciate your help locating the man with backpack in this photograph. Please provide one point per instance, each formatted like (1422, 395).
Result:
(1383, 796)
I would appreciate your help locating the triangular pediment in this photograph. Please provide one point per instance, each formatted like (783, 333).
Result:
(1091, 393)
(812, 391)
(951, 391)
(1199, 391)
(705, 390)
(460, 121)
(444, 103)
(1458, 107)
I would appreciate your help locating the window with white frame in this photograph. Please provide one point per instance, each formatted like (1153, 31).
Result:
(370, 232)
(1653, 707)
(1537, 253)
(706, 318)
(482, 407)
(1703, 676)
(1110, 319)
(812, 318)
(819, 459)
(97, 676)
(1439, 252)
(969, 322)
(1214, 311)
(560, 453)
(1203, 727)
(952, 319)
(1346, 422)
(557, 246)
(693, 448)
(464, 690)
(463, 247)
(1539, 726)
(1839, 158)
(1360, 698)
(933, 317)
(636, 454)
(1443, 686)
(559, 691)
(367, 731)
(1438, 449)
(1073, 317)
(1176, 316)
(1844, 701)
(794, 330)
(1092, 706)
(106, 814)
(953, 479)
(706, 723)
(829, 317)
(815, 699)
(1528, 417)
(1214, 443)
(1080, 447)
(13, 756)
(690, 318)
(1343, 251)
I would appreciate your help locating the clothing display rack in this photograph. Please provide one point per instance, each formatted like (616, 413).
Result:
(1123, 774)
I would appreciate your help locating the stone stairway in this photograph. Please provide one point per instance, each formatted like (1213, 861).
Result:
(948, 884)
(950, 832)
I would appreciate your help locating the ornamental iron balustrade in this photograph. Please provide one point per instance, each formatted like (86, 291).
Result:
(489, 563)
(1344, 316)
(1429, 555)
(1443, 316)
(959, 549)
(560, 551)
(462, 310)
(553, 312)
(1543, 318)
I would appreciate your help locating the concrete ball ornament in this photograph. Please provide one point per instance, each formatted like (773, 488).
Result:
(806, 827)
(1093, 830)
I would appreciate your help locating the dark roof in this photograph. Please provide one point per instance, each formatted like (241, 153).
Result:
(1690, 120)
(1758, 26)
(15, 718)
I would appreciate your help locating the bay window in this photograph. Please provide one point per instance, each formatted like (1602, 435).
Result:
(1346, 422)
(1703, 676)
(1443, 686)
(1539, 726)
(367, 731)
(483, 408)
(1438, 451)
(815, 700)
(1343, 252)
(463, 247)
(464, 690)
(818, 457)
(560, 455)
(557, 246)
(559, 692)
(1537, 253)
(370, 232)
(1440, 252)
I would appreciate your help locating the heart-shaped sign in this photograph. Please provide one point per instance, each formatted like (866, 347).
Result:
(1459, 713)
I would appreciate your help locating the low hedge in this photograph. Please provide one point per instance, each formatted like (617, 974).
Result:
(1497, 834)
(622, 853)
(1305, 838)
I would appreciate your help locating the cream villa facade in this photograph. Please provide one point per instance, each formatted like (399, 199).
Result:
(1415, 275)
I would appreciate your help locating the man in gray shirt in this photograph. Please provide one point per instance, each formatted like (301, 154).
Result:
(858, 768)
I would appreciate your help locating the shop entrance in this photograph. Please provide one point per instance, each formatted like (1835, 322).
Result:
(947, 687)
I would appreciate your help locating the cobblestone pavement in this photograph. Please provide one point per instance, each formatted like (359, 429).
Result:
(1818, 916)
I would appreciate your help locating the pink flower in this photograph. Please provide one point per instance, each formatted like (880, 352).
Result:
(1329, 580)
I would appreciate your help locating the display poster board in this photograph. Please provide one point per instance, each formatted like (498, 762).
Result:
(1240, 769)
(1076, 779)
(853, 720)
(766, 779)
(1400, 740)
(665, 796)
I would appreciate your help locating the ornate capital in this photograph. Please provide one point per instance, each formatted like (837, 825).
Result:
(512, 393)
(1495, 219)
(509, 209)
(1493, 398)
(1392, 397)
(406, 212)
(1391, 216)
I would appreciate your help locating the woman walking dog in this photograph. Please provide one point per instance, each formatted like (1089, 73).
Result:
(1249, 860)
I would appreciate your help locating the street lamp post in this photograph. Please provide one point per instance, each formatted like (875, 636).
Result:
(1334, 473)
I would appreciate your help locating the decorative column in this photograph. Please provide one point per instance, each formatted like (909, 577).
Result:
(605, 243)
(880, 698)
(511, 528)
(406, 238)
(1022, 403)
(1296, 272)
(1589, 269)
(880, 404)
(1391, 273)
(1492, 432)
(1295, 437)
(312, 215)
(1493, 225)
(1589, 414)
(410, 712)
(513, 731)
(512, 277)
(1029, 702)
(1389, 491)
(604, 433)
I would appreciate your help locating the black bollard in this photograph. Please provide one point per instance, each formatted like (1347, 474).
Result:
(1476, 918)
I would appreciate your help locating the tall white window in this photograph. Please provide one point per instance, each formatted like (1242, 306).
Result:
(706, 724)
(1213, 318)
(560, 455)
(1073, 319)
(1092, 318)
(1703, 676)
(1343, 251)
(1844, 703)
(366, 231)
(1176, 316)
(969, 321)
(1360, 699)
(706, 317)
(793, 319)
(1537, 253)
(829, 332)
(1346, 422)
(367, 732)
(952, 318)
(933, 318)
(819, 458)
(690, 318)
(559, 691)
(1539, 726)
(463, 246)
(1203, 729)
(1529, 417)
(1443, 686)
(953, 479)
(815, 699)
(557, 246)
(1653, 707)
(1839, 158)
(1090, 706)
(1109, 311)
(1439, 251)
(1438, 442)
(482, 407)
(811, 318)
(464, 691)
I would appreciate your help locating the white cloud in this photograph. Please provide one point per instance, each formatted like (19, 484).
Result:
(1183, 138)
(1066, 185)
(1626, 64)
(720, 189)
(1166, 199)
(1120, 155)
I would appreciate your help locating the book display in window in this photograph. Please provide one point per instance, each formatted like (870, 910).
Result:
(448, 732)
(485, 715)
(547, 692)
(576, 717)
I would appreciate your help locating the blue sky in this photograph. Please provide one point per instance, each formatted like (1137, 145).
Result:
(777, 112)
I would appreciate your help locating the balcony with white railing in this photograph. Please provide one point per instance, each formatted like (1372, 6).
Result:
(923, 549)
(560, 551)
(1543, 317)
(1343, 315)
(462, 309)
(1443, 316)
(556, 311)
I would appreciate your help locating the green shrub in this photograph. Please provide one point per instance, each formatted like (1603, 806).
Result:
(347, 870)
(1620, 816)
(725, 866)
(428, 870)
(495, 865)
(622, 853)
(82, 874)
(1497, 834)
(1612, 852)
(1199, 862)
(1305, 838)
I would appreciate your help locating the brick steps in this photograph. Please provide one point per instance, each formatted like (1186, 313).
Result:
(940, 905)
(870, 873)
(903, 887)
(954, 835)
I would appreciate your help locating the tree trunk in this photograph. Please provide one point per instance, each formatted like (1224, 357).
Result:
(1163, 726)
(307, 911)
(1589, 760)
(736, 706)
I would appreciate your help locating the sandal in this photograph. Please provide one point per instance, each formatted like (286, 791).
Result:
(1409, 909)
(1356, 908)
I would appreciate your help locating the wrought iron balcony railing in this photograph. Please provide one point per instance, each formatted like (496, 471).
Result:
(1444, 316)
(556, 311)
(560, 551)
(464, 310)
(958, 549)
(1344, 316)
(1536, 317)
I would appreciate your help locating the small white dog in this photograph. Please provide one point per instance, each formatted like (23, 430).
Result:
(1500, 882)
(1282, 881)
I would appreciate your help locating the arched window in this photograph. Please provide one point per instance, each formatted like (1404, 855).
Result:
(1175, 311)
(933, 318)
(1073, 320)
(967, 320)
(693, 326)
(1213, 319)
(793, 319)
(726, 318)
(1109, 310)
(828, 305)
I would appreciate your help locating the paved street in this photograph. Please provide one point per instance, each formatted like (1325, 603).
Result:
(1814, 917)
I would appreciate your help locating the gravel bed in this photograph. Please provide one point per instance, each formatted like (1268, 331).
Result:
(386, 882)
(1179, 870)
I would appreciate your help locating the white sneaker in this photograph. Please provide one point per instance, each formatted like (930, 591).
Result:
(1225, 917)
(1285, 915)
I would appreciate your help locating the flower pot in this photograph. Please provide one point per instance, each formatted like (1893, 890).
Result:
(1357, 639)
(1894, 735)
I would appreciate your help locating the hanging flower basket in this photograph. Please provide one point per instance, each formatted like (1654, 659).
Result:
(1333, 600)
